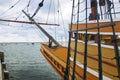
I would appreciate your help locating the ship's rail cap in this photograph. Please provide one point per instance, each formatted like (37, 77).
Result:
(94, 44)
(95, 21)
(101, 33)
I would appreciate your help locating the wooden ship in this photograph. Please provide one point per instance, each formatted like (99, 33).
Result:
(93, 51)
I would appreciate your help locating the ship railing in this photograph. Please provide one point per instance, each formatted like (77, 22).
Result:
(97, 15)
(95, 27)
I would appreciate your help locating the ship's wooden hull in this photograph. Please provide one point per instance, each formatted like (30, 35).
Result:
(108, 58)
(57, 59)
(109, 67)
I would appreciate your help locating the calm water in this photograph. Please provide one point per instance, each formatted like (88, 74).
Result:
(25, 62)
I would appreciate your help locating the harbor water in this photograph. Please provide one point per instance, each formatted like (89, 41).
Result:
(25, 62)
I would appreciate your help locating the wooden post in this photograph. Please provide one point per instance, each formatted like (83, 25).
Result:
(2, 56)
(6, 75)
(4, 65)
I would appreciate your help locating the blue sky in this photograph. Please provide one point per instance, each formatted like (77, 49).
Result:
(15, 32)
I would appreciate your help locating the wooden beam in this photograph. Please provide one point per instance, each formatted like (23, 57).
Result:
(26, 22)
(45, 32)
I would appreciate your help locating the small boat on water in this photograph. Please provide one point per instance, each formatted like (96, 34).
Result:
(93, 51)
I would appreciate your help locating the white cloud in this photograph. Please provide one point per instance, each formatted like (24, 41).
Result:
(14, 32)
(18, 34)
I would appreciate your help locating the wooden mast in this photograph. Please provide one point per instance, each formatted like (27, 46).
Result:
(48, 35)
(28, 22)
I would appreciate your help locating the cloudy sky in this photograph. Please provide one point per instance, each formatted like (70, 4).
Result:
(51, 12)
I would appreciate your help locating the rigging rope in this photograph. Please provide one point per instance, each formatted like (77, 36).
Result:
(49, 10)
(117, 55)
(114, 9)
(24, 9)
(20, 13)
(62, 19)
(28, 5)
(39, 6)
(100, 70)
(85, 46)
(67, 69)
(10, 8)
(43, 36)
(76, 40)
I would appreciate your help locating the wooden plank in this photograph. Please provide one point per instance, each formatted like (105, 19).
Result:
(91, 25)
(108, 61)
